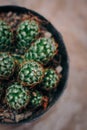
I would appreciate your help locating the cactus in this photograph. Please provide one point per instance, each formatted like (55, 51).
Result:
(17, 97)
(50, 79)
(43, 50)
(7, 65)
(30, 73)
(18, 58)
(36, 99)
(26, 33)
(5, 36)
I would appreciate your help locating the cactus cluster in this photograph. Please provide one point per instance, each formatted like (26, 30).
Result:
(30, 70)
(5, 36)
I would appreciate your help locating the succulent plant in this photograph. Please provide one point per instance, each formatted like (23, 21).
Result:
(50, 79)
(36, 99)
(5, 36)
(30, 73)
(18, 58)
(17, 97)
(43, 50)
(7, 65)
(26, 33)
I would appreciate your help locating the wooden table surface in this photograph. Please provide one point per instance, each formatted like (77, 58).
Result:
(70, 18)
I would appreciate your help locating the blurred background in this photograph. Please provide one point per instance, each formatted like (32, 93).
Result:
(70, 18)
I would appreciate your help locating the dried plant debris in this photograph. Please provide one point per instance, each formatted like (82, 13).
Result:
(29, 58)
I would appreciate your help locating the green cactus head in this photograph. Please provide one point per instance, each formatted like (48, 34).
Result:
(31, 73)
(36, 98)
(7, 65)
(43, 50)
(26, 33)
(50, 79)
(5, 36)
(17, 97)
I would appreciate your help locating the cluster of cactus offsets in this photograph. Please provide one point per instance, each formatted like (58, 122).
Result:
(26, 75)
(26, 33)
(50, 79)
(43, 50)
(31, 73)
(7, 65)
(5, 36)
(17, 96)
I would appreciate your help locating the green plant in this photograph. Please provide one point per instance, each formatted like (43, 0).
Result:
(5, 36)
(36, 98)
(7, 65)
(17, 96)
(18, 58)
(30, 73)
(26, 50)
(26, 33)
(43, 50)
(50, 80)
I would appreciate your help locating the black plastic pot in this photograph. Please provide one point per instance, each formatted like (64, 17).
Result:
(62, 51)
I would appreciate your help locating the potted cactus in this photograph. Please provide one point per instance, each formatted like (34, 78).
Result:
(31, 50)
